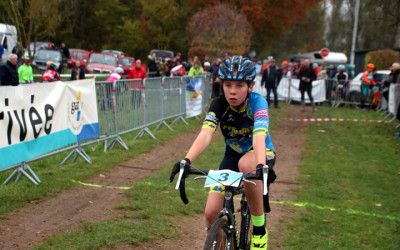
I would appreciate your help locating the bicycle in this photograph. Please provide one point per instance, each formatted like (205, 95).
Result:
(223, 233)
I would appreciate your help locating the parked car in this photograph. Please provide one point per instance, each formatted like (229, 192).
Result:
(101, 63)
(44, 55)
(126, 63)
(34, 47)
(160, 54)
(113, 52)
(78, 54)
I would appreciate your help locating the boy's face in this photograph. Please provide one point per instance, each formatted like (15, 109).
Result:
(236, 92)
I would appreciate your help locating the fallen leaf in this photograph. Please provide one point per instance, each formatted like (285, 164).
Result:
(378, 205)
(102, 175)
(91, 202)
(326, 221)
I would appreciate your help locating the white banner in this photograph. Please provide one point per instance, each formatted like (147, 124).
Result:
(289, 89)
(194, 96)
(38, 118)
(394, 98)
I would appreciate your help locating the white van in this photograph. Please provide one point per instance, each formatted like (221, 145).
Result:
(8, 38)
(332, 57)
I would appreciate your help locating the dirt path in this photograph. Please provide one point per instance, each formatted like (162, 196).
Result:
(83, 204)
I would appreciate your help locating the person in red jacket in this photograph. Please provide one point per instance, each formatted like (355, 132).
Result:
(51, 75)
(137, 73)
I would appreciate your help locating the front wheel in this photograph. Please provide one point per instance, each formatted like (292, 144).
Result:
(219, 236)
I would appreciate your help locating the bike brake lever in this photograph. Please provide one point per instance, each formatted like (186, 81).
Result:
(251, 182)
(181, 170)
(265, 179)
(200, 177)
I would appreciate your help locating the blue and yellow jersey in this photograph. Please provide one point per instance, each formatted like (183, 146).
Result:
(239, 126)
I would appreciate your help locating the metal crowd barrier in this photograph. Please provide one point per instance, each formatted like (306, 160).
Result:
(132, 104)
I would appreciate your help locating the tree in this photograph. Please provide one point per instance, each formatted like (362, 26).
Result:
(160, 26)
(219, 29)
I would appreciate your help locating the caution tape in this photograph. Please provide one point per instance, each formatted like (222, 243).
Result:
(334, 119)
(292, 203)
(348, 211)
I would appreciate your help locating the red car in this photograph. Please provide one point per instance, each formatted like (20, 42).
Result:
(101, 63)
(126, 63)
(78, 54)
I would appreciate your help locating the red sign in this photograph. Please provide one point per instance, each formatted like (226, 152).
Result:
(324, 52)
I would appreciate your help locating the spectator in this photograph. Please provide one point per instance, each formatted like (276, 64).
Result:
(116, 75)
(206, 66)
(65, 52)
(394, 77)
(332, 71)
(9, 72)
(19, 51)
(163, 70)
(172, 63)
(367, 79)
(178, 58)
(151, 63)
(227, 55)
(25, 72)
(316, 68)
(322, 73)
(1, 54)
(258, 67)
(296, 67)
(90, 51)
(306, 76)
(196, 69)
(189, 64)
(284, 67)
(137, 71)
(78, 72)
(50, 74)
(270, 79)
(375, 89)
(341, 80)
(215, 80)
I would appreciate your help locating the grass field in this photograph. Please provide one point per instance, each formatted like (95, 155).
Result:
(351, 177)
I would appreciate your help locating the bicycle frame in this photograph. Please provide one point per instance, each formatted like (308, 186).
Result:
(228, 210)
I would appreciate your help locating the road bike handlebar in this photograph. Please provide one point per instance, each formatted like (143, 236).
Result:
(186, 170)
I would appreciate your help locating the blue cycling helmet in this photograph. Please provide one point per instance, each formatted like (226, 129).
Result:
(237, 68)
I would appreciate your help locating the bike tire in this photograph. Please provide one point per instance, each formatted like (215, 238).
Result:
(218, 236)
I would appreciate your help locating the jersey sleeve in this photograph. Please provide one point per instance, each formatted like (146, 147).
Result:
(214, 115)
(259, 108)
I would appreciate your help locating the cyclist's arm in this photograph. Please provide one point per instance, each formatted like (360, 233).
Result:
(202, 141)
(259, 148)
(365, 78)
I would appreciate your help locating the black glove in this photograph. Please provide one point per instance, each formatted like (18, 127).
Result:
(177, 167)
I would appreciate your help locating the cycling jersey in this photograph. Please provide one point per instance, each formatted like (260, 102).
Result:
(341, 77)
(49, 76)
(239, 127)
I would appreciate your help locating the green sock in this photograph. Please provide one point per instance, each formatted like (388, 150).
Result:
(258, 221)
(258, 224)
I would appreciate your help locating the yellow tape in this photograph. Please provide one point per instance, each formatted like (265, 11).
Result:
(292, 203)
(100, 186)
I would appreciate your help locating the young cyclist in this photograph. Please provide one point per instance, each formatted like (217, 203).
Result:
(243, 119)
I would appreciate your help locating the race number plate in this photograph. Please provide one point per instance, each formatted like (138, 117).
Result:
(223, 177)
